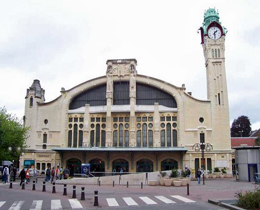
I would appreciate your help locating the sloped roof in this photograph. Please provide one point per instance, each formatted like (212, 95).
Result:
(242, 141)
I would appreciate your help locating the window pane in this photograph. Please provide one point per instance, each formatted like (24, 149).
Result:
(103, 138)
(121, 135)
(43, 166)
(121, 119)
(174, 137)
(163, 138)
(45, 138)
(162, 118)
(70, 119)
(92, 139)
(98, 135)
(138, 143)
(150, 119)
(98, 119)
(168, 135)
(81, 119)
(168, 118)
(75, 119)
(126, 138)
(202, 138)
(80, 138)
(115, 139)
(144, 135)
(92, 119)
(69, 138)
(144, 119)
(38, 166)
(103, 119)
(150, 136)
(174, 118)
(127, 119)
(138, 119)
(115, 119)
(75, 136)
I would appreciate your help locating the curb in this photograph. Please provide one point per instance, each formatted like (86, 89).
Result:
(225, 205)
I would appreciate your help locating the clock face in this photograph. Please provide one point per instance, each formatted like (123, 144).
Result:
(214, 33)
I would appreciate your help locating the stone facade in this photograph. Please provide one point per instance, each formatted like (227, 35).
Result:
(55, 136)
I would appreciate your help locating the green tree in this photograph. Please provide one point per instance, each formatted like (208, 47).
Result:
(241, 127)
(12, 136)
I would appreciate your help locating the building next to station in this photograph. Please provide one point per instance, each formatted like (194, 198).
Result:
(125, 120)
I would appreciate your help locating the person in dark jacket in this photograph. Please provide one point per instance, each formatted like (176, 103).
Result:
(198, 175)
(22, 175)
(14, 173)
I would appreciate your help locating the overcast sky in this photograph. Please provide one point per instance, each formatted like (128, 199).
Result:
(64, 43)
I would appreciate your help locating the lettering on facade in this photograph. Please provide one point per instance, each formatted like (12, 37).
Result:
(45, 156)
(109, 144)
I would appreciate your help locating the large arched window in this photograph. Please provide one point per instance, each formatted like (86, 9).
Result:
(95, 97)
(121, 93)
(148, 95)
(169, 164)
(144, 165)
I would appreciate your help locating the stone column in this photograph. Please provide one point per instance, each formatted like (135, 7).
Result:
(109, 95)
(86, 135)
(156, 118)
(132, 95)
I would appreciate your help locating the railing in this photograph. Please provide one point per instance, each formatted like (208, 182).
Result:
(101, 174)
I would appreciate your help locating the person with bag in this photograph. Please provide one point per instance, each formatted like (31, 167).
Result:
(61, 173)
(57, 172)
(27, 176)
(198, 175)
(5, 175)
(48, 174)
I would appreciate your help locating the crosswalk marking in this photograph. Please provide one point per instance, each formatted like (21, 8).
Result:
(56, 204)
(164, 199)
(130, 202)
(16, 205)
(36, 205)
(2, 203)
(147, 200)
(75, 204)
(112, 202)
(186, 200)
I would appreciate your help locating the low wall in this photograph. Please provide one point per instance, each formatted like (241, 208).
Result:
(132, 179)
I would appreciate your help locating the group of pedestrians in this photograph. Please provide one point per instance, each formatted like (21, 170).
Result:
(9, 173)
(56, 174)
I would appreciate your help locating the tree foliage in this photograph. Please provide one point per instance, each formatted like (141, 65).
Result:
(241, 127)
(12, 135)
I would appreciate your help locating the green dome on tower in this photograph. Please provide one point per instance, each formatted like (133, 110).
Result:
(211, 15)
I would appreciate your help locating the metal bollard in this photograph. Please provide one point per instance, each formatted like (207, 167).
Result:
(96, 198)
(53, 188)
(141, 185)
(33, 188)
(23, 186)
(98, 182)
(43, 187)
(113, 183)
(82, 193)
(74, 192)
(203, 179)
(11, 185)
(65, 190)
(127, 184)
(188, 189)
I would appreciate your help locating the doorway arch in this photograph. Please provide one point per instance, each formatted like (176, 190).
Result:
(144, 165)
(74, 165)
(97, 167)
(169, 164)
(120, 164)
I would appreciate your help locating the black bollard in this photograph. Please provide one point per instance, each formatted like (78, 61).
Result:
(82, 193)
(11, 185)
(65, 190)
(33, 188)
(23, 186)
(74, 192)
(43, 187)
(127, 184)
(53, 188)
(203, 179)
(141, 185)
(96, 198)
(188, 189)
(113, 183)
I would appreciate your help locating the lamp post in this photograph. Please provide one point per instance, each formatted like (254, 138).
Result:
(202, 147)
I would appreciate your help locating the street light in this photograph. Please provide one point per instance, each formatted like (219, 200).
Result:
(202, 147)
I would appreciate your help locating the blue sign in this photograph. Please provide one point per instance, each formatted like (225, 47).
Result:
(28, 163)
(85, 168)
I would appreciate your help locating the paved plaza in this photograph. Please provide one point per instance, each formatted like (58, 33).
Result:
(118, 197)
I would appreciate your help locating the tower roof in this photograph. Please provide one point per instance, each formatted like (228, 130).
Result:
(211, 15)
(36, 88)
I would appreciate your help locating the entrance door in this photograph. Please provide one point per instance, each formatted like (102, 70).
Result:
(144, 166)
(197, 165)
(97, 167)
(252, 170)
(119, 165)
(74, 166)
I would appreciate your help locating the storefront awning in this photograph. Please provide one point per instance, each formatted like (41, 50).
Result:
(123, 149)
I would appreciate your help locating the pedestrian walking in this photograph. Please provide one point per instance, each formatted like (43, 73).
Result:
(14, 173)
(61, 173)
(57, 172)
(22, 175)
(198, 175)
(52, 174)
(48, 174)
(27, 176)
(5, 174)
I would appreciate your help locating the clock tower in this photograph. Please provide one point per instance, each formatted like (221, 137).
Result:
(213, 36)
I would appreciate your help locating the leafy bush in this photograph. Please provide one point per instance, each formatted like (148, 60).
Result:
(163, 174)
(174, 173)
(216, 169)
(223, 170)
(184, 173)
(249, 200)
